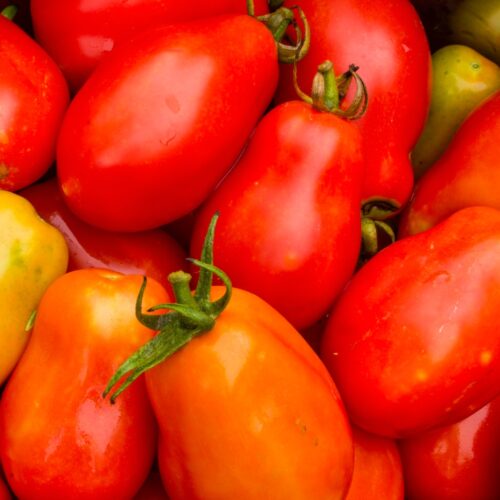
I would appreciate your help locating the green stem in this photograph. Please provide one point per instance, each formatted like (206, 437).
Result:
(190, 316)
(325, 93)
(251, 8)
(9, 12)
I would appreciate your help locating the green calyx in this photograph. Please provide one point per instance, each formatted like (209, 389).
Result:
(9, 12)
(376, 232)
(278, 21)
(190, 316)
(329, 90)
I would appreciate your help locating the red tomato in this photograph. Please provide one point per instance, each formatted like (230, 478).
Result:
(456, 462)
(79, 34)
(33, 99)
(59, 438)
(258, 402)
(413, 341)
(132, 160)
(377, 468)
(153, 253)
(388, 43)
(289, 227)
(467, 174)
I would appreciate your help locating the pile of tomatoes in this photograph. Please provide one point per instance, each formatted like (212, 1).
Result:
(250, 249)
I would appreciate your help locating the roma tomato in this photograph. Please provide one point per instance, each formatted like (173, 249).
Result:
(413, 341)
(289, 212)
(388, 43)
(250, 393)
(377, 468)
(79, 34)
(461, 79)
(131, 159)
(457, 461)
(153, 252)
(59, 438)
(33, 99)
(32, 255)
(467, 174)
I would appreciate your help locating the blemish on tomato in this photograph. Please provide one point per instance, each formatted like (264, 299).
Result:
(4, 171)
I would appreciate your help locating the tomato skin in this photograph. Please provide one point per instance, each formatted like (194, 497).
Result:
(78, 35)
(32, 255)
(413, 341)
(457, 461)
(4, 491)
(377, 468)
(388, 43)
(289, 212)
(467, 174)
(252, 396)
(153, 253)
(59, 438)
(33, 99)
(130, 160)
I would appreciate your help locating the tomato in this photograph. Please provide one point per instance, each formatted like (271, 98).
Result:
(33, 99)
(457, 461)
(377, 468)
(78, 35)
(32, 255)
(462, 78)
(465, 175)
(131, 160)
(289, 212)
(413, 341)
(245, 408)
(153, 252)
(388, 43)
(58, 438)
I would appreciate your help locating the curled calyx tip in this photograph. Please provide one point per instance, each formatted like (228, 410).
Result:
(329, 90)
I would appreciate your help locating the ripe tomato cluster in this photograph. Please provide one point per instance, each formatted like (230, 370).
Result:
(249, 249)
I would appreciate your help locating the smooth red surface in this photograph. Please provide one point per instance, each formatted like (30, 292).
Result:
(4, 491)
(467, 174)
(157, 126)
(385, 38)
(153, 253)
(413, 341)
(377, 468)
(59, 438)
(248, 411)
(78, 34)
(33, 99)
(289, 225)
(456, 462)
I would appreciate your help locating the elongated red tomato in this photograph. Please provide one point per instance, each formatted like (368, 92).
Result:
(413, 341)
(289, 227)
(456, 461)
(162, 119)
(253, 396)
(467, 174)
(33, 99)
(153, 253)
(59, 438)
(79, 34)
(385, 38)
